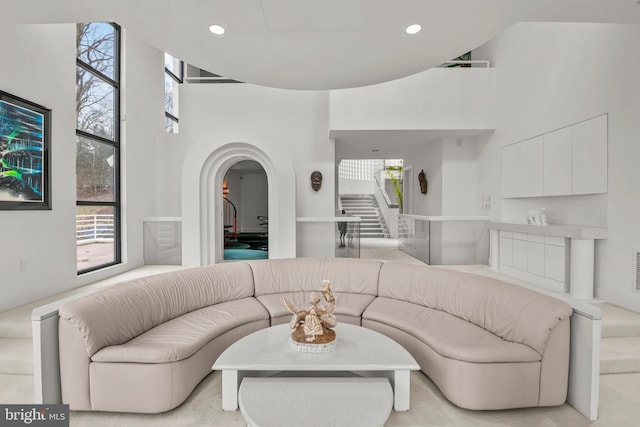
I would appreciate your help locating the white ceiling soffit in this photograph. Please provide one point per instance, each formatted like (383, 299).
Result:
(316, 44)
(393, 144)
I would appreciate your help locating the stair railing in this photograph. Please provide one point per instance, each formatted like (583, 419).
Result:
(230, 221)
(383, 190)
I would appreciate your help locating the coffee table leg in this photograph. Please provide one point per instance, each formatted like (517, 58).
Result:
(401, 390)
(229, 389)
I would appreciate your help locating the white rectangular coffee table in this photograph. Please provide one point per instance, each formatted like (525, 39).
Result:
(358, 350)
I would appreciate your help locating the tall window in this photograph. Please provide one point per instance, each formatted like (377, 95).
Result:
(173, 76)
(98, 145)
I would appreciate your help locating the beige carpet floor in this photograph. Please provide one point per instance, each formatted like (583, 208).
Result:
(619, 407)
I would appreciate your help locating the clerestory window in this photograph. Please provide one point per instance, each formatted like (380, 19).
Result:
(173, 76)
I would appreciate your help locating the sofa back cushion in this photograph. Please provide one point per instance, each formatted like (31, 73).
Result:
(116, 314)
(509, 311)
(359, 276)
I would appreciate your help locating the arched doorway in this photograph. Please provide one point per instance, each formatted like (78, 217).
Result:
(202, 209)
(245, 199)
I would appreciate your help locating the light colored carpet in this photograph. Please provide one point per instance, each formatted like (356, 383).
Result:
(16, 356)
(620, 354)
(16, 389)
(620, 407)
(385, 249)
(620, 322)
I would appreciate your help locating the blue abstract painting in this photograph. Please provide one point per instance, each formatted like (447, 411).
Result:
(23, 145)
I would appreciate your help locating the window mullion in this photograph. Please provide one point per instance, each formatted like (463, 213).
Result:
(99, 156)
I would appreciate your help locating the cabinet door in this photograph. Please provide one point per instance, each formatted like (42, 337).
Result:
(535, 258)
(511, 159)
(554, 262)
(589, 156)
(506, 251)
(531, 180)
(557, 162)
(520, 254)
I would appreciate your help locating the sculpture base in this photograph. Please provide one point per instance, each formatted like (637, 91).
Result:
(311, 347)
(321, 343)
(327, 335)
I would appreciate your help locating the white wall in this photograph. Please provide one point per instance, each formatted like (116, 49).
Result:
(248, 191)
(459, 177)
(440, 98)
(450, 166)
(254, 201)
(42, 70)
(462, 242)
(142, 127)
(553, 75)
(431, 161)
(289, 127)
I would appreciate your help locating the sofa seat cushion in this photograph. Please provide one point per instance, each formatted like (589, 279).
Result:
(179, 338)
(346, 303)
(448, 335)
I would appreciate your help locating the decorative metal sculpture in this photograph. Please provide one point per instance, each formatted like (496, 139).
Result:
(313, 324)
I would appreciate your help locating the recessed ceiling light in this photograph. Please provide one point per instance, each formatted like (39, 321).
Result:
(413, 29)
(216, 29)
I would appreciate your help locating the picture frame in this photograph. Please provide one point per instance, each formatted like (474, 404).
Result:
(25, 154)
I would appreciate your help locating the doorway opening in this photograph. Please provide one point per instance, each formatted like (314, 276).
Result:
(372, 190)
(245, 201)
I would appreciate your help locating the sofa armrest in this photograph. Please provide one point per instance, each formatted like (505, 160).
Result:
(554, 367)
(74, 367)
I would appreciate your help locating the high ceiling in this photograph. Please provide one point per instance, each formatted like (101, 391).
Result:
(316, 44)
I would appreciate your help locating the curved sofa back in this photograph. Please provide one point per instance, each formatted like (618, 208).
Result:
(356, 276)
(116, 314)
(511, 312)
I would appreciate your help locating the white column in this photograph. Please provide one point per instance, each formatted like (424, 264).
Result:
(584, 366)
(582, 260)
(494, 249)
(46, 358)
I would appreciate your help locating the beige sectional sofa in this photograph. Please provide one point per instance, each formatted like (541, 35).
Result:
(144, 345)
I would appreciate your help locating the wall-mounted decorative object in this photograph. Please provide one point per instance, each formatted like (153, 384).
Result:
(316, 180)
(422, 180)
(24, 154)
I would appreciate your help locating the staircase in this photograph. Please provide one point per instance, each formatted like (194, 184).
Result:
(366, 207)
(620, 345)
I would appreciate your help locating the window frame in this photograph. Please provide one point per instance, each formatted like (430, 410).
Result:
(115, 143)
(178, 79)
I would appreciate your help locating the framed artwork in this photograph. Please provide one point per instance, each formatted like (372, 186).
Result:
(25, 173)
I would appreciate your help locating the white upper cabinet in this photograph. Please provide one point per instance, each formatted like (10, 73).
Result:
(589, 156)
(531, 167)
(557, 162)
(571, 160)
